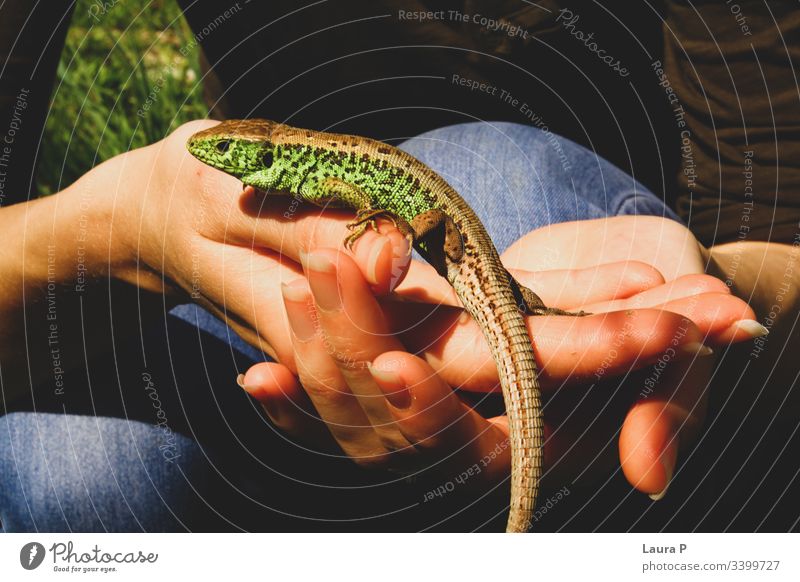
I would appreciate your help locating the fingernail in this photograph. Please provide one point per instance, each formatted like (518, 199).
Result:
(659, 496)
(295, 297)
(396, 392)
(251, 389)
(374, 255)
(319, 263)
(668, 463)
(323, 282)
(464, 318)
(751, 327)
(296, 291)
(697, 349)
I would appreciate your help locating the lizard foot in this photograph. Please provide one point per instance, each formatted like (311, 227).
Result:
(367, 218)
(358, 231)
(369, 215)
(554, 311)
(364, 219)
(531, 304)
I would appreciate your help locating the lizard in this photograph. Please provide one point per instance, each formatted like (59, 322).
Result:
(376, 180)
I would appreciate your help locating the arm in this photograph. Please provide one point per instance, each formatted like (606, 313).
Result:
(149, 222)
(767, 276)
(54, 251)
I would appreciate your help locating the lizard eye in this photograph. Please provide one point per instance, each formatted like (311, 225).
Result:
(267, 159)
(222, 146)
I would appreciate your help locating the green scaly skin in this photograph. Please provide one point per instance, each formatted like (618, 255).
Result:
(374, 179)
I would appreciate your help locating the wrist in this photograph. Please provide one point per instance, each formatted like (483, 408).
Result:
(767, 276)
(80, 234)
(113, 234)
(761, 273)
(75, 242)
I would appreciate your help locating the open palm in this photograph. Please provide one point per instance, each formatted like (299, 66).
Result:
(631, 374)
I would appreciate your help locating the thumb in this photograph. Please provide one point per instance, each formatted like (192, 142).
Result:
(648, 449)
(662, 419)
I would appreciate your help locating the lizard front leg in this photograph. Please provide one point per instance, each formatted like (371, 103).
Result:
(365, 218)
(343, 193)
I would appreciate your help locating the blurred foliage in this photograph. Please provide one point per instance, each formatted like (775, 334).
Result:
(126, 78)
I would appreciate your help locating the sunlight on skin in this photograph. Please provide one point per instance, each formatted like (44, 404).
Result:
(647, 447)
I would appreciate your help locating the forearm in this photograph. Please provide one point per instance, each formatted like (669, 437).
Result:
(58, 257)
(767, 276)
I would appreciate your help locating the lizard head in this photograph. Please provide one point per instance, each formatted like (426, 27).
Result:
(241, 148)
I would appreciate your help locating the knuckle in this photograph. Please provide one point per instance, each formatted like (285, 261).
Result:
(313, 230)
(350, 360)
(347, 354)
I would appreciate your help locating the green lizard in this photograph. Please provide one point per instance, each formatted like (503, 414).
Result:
(376, 179)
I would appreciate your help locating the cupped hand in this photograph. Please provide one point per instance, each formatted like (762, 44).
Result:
(640, 363)
(195, 233)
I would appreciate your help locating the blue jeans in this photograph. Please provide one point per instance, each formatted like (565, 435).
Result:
(179, 447)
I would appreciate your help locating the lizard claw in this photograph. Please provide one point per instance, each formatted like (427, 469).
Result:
(351, 239)
(365, 218)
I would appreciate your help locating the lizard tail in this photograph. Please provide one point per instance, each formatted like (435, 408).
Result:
(524, 408)
(498, 315)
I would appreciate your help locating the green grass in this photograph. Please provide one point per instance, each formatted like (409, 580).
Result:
(123, 82)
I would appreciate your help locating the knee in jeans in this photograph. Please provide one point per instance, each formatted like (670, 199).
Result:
(81, 473)
(509, 149)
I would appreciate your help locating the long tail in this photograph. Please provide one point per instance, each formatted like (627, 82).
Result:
(503, 325)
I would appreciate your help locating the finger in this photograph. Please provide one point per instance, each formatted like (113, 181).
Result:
(243, 283)
(685, 286)
(241, 287)
(657, 424)
(569, 350)
(707, 301)
(564, 288)
(355, 332)
(568, 288)
(422, 284)
(285, 402)
(430, 415)
(323, 382)
(291, 228)
(722, 318)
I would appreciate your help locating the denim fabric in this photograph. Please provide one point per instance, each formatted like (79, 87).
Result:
(77, 471)
(67, 472)
(518, 178)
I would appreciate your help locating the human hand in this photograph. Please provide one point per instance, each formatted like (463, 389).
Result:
(435, 427)
(193, 232)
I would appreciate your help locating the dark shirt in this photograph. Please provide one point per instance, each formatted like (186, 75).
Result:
(731, 64)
